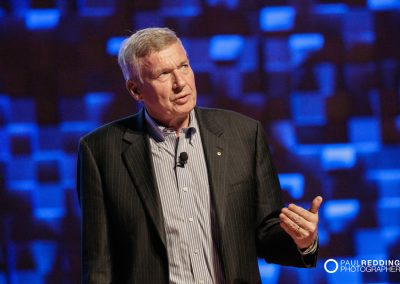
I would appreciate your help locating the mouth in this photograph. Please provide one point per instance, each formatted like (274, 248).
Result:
(181, 99)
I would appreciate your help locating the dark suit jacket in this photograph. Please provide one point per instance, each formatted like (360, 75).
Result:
(122, 231)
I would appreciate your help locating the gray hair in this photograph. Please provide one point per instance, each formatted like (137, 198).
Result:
(140, 44)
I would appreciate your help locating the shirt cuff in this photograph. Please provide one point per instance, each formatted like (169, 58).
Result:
(311, 249)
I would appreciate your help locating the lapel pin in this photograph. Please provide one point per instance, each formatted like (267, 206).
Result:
(219, 153)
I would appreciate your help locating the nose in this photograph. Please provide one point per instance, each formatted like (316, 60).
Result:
(179, 81)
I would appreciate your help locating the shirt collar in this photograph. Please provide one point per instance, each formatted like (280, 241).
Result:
(159, 132)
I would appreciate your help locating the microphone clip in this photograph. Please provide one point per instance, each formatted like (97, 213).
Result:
(183, 157)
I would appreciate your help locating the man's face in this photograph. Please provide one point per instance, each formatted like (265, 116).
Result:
(168, 90)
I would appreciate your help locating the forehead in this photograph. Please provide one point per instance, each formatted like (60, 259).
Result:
(170, 56)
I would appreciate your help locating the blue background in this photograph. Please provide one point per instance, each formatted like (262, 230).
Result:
(322, 76)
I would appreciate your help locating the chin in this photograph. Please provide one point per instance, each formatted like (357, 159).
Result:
(185, 110)
(192, 105)
(193, 102)
(189, 105)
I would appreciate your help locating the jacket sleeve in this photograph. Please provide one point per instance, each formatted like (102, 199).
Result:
(273, 243)
(96, 262)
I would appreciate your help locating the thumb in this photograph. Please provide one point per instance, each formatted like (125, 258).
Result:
(316, 203)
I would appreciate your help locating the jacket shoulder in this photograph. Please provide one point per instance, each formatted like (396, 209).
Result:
(114, 129)
(224, 113)
(226, 117)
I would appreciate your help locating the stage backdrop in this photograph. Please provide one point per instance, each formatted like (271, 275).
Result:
(322, 76)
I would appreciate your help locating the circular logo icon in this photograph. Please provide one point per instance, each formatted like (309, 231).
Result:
(331, 270)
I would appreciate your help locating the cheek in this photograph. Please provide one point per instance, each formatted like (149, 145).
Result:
(159, 93)
(191, 76)
(191, 80)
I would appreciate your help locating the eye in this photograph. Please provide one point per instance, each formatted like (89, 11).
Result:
(184, 66)
(163, 74)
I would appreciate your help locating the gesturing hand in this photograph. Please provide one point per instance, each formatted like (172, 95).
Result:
(301, 224)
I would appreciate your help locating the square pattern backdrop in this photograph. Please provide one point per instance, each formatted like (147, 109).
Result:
(323, 76)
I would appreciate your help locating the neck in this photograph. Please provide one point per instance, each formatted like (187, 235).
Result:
(176, 123)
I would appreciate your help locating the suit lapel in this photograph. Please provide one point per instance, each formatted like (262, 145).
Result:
(137, 158)
(215, 151)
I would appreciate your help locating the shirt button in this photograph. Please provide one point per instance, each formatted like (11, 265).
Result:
(185, 189)
(190, 219)
(196, 251)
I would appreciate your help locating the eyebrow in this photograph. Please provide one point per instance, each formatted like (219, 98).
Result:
(155, 72)
(158, 71)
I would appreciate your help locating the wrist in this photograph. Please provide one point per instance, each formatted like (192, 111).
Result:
(310, 249)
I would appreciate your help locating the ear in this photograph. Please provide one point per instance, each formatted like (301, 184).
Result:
(134, 90)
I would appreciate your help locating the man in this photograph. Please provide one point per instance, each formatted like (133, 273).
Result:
(180, 194)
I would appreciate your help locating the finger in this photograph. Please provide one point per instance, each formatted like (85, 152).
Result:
(301, 211)
(293, 234)
(298, 219)
(316, 203)
(293, 229)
